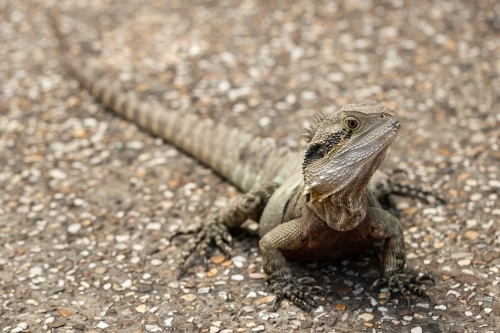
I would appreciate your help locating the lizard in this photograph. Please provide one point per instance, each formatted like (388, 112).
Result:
(317, 204)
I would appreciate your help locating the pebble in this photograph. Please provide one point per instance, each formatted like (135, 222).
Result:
(101, 270)
(144, 288)
(156, 262)
(57, 324)
(141, 308)
(366, 316)
(74, 228)
(102, 325)
(153, 328)
(237, 277)
(417, 329)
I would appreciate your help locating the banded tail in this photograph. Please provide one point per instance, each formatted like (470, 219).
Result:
(239, 157)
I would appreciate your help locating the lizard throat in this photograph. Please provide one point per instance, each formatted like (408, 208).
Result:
(341, 211)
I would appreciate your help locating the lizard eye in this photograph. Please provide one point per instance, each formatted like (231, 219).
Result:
(352, 123)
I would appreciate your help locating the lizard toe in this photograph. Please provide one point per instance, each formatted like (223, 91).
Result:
(400, 281)
(378, 282)
(213, 232)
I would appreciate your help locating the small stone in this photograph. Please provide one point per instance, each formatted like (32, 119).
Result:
(471, 223)
(264, 121)
(438, 245)
(340, 307)
(141, 308)
(217, 259)
(74, 228)
(57, 324)
(259, 328)
(494, 183)
(126, 284)
(79, 327)
(188, 297)
(366, 316)
(248, 309)
(57, 174)
(102, 324)
(471, 234)
(417, 329)
(344, 290)
(464, 262)
(212, 272)
(144, 288)
(263, 300)
(476, 196)
(101, 270)
(32, 302)
(153, 226)
(256, 276)
(153, 328)
(237, 277)
(65, 313)
(203, 290)
(411, 211)
(122, 238)
(156, 262)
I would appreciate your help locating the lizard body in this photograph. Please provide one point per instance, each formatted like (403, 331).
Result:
(313, 206)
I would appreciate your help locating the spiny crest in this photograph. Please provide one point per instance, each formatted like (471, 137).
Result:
(313, 125)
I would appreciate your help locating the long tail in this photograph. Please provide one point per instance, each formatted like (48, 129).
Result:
(239, 157)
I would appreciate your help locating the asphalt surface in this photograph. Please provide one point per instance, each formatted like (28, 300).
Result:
(88, 201)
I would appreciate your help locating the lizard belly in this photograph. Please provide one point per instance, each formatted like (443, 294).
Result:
(328, 243)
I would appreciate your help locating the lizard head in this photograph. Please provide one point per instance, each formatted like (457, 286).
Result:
(345, 148)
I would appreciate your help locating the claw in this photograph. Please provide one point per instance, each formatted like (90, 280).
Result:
(183, 233)
(306, 280)
(214, 232)
(378, 282)
(291, 291)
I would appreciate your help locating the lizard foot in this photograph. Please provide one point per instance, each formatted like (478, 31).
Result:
(308, 284)
(404, 189)
(213, 232)
(405, 284)
(288, 289)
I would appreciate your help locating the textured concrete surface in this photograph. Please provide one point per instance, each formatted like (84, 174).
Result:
(88, 201)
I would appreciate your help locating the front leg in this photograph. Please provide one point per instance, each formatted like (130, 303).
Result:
(215, 230)
(383, 225)
(287, 236)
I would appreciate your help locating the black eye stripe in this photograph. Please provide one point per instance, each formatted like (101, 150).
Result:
(317, 151)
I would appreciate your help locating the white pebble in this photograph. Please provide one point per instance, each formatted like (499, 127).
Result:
(417, 329)
(135, 145)
(264, 121)
(126, 284)
(122, 238)
(153, 226)
(153, 328)
(74, 228)
(366, 316)
(57, 174)
(102, 325)
(237, 277)
(156, 262)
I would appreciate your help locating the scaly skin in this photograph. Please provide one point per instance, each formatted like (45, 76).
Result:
(317, 206)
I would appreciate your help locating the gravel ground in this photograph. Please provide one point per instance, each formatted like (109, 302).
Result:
(88, 201)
